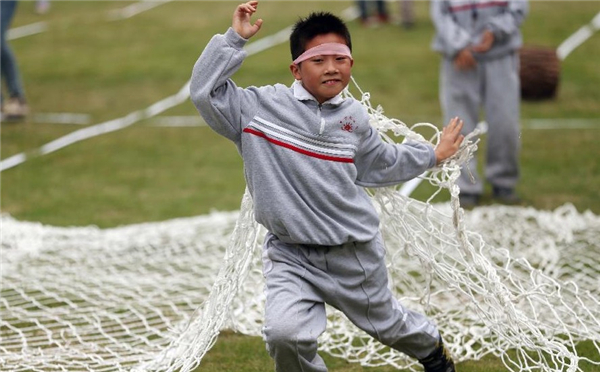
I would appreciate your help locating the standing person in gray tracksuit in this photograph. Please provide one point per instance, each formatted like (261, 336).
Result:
(308, 152)
(479, 42)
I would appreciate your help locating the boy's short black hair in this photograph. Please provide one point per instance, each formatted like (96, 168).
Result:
(315, 24)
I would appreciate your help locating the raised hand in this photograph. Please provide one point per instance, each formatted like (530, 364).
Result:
(450, 140)
(241, 20)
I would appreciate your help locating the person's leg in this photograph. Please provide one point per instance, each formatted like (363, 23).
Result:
(382, 13)
(407, 13)
(502, 104)
(294, 312)
(361, 292)
(352, 278)
(9, 68)
(460, 95)
(15, 107)
(10, 73)
(362, 10)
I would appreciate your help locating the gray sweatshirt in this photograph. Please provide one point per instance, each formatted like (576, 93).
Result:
(460, 23)
(305, 163)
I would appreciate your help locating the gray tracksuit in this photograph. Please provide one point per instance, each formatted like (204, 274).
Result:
(492, 85)
(306, 164)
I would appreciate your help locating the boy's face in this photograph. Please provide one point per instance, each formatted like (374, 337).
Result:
(324, 76)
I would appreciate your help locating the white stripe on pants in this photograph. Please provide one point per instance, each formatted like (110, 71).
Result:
(352, 277)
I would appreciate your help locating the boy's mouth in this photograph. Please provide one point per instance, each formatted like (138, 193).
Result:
(331, 81)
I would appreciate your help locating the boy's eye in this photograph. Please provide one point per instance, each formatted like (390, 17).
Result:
(341, 58)
(317, 59)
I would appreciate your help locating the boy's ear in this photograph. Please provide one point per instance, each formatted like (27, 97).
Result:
(295, 71)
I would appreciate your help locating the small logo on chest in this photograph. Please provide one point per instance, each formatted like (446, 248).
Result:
(348, 124)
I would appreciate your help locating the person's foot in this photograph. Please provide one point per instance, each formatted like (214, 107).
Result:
(505, 195)
(15, 109)
(439, 361)
(366, 21)
(407, 25)
(383, 18)
(370, 22)
(468, 201)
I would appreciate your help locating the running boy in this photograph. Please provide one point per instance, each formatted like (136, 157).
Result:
(308, 152)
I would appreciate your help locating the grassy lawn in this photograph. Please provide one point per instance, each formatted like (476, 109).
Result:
(251, 356)
(86, 63)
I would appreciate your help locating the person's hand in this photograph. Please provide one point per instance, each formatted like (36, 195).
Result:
(241, 20)
(487, 40)
(449, 141)
(464, 60)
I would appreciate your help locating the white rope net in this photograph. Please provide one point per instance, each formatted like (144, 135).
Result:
(514, 282)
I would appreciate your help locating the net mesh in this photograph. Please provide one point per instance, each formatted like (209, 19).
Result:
(514, 282)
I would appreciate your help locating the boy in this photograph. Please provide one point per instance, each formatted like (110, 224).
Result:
(308, 153)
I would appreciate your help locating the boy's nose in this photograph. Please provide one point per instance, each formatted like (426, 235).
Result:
(330, 67)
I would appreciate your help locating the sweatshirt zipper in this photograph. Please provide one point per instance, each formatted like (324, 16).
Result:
(322, 129)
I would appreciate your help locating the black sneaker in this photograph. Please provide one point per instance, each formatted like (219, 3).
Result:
(439, 361)
(468, 201)
(505, 195)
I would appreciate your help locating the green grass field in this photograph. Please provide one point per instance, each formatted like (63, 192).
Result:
(85, 63)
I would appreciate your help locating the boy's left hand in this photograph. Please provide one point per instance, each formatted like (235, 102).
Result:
(449, 141)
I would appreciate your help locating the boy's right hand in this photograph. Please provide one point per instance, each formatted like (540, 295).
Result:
(241, 20)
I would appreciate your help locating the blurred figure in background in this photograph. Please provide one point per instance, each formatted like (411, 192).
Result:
(479, 42)
(42, 6)
(15, 108)
(381, 16)
(407, 14)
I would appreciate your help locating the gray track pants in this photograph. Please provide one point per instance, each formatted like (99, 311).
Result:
(494, 86)
(352, 277)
